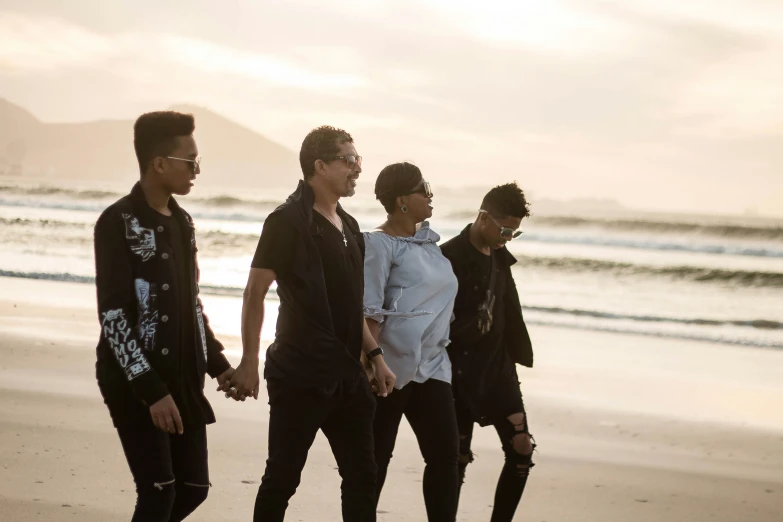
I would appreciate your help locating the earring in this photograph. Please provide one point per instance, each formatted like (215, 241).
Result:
(404, 208)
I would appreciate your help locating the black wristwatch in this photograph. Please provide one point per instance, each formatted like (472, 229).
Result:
(374, 353)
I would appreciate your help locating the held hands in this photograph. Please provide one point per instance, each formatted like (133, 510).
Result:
(165, 416)
(243, 382)
(380, 375)
(224, 380)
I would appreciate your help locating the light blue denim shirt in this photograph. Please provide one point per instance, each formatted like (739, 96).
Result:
(409, 288)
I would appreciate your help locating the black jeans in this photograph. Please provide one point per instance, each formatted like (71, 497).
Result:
(170, 471)
(344, 412)
(429, 408)
(513, 476)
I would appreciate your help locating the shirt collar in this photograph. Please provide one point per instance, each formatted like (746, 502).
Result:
(304, 198)
(425, 234)
(140, 202)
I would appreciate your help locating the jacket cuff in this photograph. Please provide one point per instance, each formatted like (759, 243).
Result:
(150, 389)
(217, 364)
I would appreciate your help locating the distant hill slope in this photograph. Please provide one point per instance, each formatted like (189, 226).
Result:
(103, 150)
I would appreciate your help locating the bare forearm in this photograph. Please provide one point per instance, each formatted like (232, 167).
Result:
(370, 335)
(252, 321)
(381, 377)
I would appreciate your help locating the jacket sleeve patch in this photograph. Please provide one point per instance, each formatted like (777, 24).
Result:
(117, 332)
(140, 240)
(147, 298)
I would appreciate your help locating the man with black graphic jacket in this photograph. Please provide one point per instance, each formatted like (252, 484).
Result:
(156, 344)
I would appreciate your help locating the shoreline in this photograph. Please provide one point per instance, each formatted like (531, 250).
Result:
(215, 292)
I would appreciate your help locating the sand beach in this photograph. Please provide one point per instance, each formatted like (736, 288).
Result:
(630, 428)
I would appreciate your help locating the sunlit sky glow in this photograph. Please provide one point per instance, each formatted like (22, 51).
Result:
(661, 104)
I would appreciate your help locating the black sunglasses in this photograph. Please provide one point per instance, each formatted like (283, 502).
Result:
(505, 232)
(425, 189)
(350, 160)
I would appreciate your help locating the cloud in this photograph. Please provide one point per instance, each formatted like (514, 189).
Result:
(552, 27)
(737, 98)
(46, 44)
(216, 59)
(641, 100)
(734, 55)
(757, 17)
(34, 45)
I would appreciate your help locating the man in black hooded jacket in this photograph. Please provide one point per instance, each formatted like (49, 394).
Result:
(488, 336)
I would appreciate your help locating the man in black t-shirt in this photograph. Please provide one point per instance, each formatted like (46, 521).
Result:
(488, 336)
(314, 373)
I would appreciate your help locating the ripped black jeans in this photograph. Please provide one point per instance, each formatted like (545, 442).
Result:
(170, 471)
(518, 445)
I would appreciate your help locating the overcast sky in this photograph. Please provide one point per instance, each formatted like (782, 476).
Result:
(660, 104)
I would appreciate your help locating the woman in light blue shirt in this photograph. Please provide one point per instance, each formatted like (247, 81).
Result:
(408, 302)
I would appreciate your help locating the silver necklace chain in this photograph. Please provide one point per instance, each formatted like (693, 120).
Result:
(340, 228)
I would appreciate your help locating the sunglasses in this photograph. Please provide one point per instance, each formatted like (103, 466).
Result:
(350, 160)
(505, 232)
(424, 189)
(195, 164)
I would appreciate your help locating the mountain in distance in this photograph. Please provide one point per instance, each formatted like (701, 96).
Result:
(102, 151)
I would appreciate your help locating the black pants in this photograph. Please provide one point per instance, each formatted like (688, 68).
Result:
(429, 408)
(170, 471)
(344, 412)
(513, 476)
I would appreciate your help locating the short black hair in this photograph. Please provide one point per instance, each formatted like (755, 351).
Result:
(320, 143)
(155, 134)
(397, 179)
(506, 201)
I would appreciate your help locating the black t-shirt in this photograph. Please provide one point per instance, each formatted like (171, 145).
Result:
(495, 336)
(189, 395)
(479, 362)
(344, 275)
(343, 272)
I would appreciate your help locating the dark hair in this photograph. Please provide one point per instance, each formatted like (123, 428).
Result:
(506, 200)
(155, 134)
(320, 143)
(397, 179)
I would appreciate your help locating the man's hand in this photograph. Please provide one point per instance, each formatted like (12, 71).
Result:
(368, 370)
(224, 380)
(383, 378)
(244, 382)
(165, 416)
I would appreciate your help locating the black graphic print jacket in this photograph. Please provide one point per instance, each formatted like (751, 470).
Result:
(139, 352)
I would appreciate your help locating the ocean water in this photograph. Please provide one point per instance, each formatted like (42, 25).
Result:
(711, 278)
